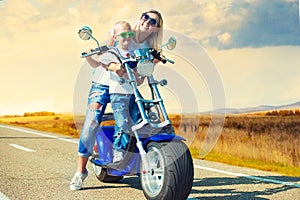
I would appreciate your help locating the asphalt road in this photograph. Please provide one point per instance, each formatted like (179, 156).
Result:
(40, 165)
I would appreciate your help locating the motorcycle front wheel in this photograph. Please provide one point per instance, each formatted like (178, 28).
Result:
(171, 171)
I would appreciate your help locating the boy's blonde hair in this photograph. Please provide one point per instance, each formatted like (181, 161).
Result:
(121, 25)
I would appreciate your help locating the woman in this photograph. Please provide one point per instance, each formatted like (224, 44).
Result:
(149, 29)
(148, 34)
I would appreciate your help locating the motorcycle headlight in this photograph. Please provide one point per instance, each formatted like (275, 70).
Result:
(145, 67)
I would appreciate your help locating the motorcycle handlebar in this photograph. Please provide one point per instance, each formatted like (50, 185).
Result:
(162, 58)
(100, 49)
(94, 51)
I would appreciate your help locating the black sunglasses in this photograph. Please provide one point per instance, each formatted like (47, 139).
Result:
(152, 21)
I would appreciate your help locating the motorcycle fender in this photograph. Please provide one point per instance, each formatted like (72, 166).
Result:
(162, 137)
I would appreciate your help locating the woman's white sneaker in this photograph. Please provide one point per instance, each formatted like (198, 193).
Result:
(77, 180)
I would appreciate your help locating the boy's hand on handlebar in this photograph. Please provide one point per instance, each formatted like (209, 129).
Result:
(117, 68)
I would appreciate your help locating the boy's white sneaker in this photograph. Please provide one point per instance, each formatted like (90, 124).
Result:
(118, 156)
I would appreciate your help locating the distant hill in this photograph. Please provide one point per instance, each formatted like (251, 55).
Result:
(257, 109)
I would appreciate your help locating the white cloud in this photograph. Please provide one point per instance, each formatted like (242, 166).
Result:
(224, 38)
(250, 23)
(202, 20)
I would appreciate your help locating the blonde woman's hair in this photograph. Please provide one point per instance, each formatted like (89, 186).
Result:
(155, 38)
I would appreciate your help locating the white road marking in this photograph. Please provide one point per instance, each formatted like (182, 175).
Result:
(196, 166)
(39, 134)
(2, 196)
(22, 148)
(248, 176)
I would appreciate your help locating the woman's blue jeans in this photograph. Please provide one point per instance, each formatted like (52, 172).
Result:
(98, 94)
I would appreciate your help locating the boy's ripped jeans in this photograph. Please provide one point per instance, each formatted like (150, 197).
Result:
(123, 109)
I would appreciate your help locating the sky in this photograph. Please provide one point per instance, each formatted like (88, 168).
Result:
(254, 46)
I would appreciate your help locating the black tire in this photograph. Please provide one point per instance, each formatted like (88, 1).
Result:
(171, 171)
(102, 175)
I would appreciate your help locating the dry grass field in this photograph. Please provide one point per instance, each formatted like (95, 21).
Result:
(58, 123)
(260, 141)
(264, 141)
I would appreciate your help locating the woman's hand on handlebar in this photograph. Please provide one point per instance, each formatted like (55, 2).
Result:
(93, 63)
(155, 61)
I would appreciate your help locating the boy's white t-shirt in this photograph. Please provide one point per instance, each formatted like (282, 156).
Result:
(110, 78)
(114, 85)
(102, 76)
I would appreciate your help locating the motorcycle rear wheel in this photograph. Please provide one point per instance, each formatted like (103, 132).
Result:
(171, 171)
(101, 173)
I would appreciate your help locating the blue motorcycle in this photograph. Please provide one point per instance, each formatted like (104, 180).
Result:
(154, 152)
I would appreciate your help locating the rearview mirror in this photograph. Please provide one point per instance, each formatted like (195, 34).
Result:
(85, 33)
(171, 43)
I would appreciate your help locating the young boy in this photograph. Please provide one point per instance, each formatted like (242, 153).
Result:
(121, 94)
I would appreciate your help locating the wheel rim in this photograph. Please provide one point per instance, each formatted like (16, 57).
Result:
(152, 181)
(97, 169)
